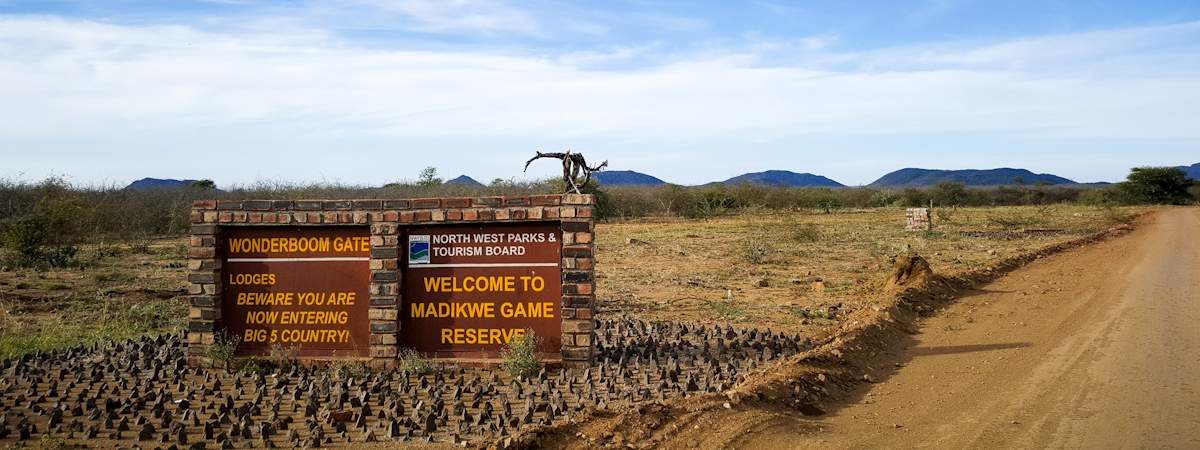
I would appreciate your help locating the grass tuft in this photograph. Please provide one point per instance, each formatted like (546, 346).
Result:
(413, 362)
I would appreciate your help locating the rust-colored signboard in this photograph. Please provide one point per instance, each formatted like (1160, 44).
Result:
(470, 289)
(302, 289)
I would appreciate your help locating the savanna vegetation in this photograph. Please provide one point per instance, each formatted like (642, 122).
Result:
(87, 264)
(43, 223)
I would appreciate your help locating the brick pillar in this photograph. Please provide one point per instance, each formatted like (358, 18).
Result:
(204, 310)
(385, 286)
(578, 279)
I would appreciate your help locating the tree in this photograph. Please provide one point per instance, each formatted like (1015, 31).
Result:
(428, 177)
(949, 193)
(1157, 185)
(203, 185)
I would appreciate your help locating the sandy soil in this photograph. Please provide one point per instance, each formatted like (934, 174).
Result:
(1092, 348)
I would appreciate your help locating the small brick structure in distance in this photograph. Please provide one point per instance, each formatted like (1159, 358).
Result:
(918, 219)
(386, 219)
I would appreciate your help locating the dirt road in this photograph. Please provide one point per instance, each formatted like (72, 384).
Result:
(1098, 347)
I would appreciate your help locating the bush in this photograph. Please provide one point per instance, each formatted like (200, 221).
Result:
(31, 241)
(756, 251)
(223, 348)
(828, 204)
(882, 198)
(949, 194)
(414, 363)
(345, 369)
(945, 215)
(521, 355)
(256, 365)
(914, 198)
(1157, 185)
(1099, 197)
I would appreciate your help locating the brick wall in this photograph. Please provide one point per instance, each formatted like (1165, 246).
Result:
(917, 219)
(386, 218)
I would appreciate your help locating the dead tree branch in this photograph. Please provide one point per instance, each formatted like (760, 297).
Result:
(574, 166)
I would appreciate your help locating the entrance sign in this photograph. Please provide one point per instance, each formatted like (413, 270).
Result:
(304, 289)
(470, 289)
(368, 279)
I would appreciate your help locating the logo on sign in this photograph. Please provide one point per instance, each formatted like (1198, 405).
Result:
(418, 249)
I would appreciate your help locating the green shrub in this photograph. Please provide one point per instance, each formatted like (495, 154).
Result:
(223, 348)
(945, 215)
(828, 204)
(520, 356)
(756, 251)
(256, 365)
(1099, 197)
(48, 442)
(346, 369)
(949, 193)
(914, 198)
(1157, 185)
(414, 362)
(882, 198)
(45, 236)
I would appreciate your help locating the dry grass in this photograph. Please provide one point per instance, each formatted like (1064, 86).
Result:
(120, 291)
(760, 267)
(755, 268)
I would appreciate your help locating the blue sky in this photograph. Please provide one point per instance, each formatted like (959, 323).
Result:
(371, 91)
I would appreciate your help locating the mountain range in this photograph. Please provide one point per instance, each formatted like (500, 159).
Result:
(626, 178)
(155, 184)
(1192, 171)
(908, 177)
(463, 180)
(969, 177)
(783, 178)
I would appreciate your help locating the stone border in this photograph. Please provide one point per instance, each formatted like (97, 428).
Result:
(386, 217)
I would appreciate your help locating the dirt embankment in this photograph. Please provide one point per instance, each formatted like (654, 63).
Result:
(805, 384)
(1091, 348)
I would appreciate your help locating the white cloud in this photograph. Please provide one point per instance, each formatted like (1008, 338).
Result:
(60, 76)
(1039, 54)
(460, 15)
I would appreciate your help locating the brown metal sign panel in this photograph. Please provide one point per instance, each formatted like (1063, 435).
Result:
(302, 289)
(470, 289)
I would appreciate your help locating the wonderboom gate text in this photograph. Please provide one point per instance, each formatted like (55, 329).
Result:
(448, 277)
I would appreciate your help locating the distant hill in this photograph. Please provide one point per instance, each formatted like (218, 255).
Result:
(155, 184)
(465, 181)
(1193, 171)
(626, 178)
(783, 178)
(970, 177)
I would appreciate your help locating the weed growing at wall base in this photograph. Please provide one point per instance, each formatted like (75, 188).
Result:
(520, 356)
